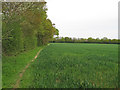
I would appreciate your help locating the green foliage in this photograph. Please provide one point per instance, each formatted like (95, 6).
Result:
(13, 40)
(57, 32)
(25, 26)
(74, 66)
(104, 40)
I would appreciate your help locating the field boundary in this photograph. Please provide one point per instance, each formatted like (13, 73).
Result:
(23, 71)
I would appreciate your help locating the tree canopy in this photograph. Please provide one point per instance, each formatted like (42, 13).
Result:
(25, 25)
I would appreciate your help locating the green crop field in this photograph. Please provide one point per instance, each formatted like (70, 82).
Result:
(70, 65)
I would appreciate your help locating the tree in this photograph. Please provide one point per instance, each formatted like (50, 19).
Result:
(25, 26)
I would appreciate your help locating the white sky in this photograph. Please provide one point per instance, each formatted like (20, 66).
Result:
(84, 18)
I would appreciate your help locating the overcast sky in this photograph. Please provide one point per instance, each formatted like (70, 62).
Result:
(84, 18)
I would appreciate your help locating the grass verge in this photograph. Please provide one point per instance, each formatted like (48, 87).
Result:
(13, 65)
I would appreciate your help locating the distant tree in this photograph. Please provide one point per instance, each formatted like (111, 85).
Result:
(90, 39)
(67, 39)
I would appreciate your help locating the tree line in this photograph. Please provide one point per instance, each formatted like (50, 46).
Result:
(103, 40)
(25, 26)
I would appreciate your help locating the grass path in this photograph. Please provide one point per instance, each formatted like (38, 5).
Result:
(23, 71)
(15, 66)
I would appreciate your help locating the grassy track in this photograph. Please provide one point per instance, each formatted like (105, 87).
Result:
(74, 65)
(13, 65)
